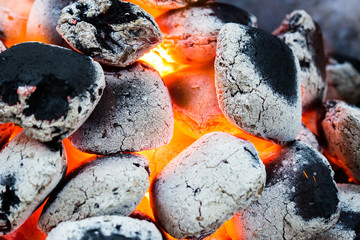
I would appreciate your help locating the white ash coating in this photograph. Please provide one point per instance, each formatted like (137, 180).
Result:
(134, 114)
(306, 136)
(347, 227)
(79, 106)
(206, 184)
(42, 21)
(110, 185)
(29, 171)
(247, 98)
(343, 82)
(106, 227)
(341, 130)
(299, 201)
(111, 31)
(171, 4)
(2, 46)
(304, 37)
(190, 34)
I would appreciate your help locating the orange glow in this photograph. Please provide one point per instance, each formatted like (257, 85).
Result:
(153, 11)
(310, 119)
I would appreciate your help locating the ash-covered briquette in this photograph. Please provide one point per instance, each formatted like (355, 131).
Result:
(6, 130)
(343, 78)
(348, 225)
(2, 46)
(48, 90)
(257, 84)
(106, 228)
(304, 37)
(171, 4)
(111, 31)
(29, 171)
(134, 114)
(306, 136)
(109, 185)
(206, 184)
(190, 33)
(42, 21)
(340, 129)
(300, 199)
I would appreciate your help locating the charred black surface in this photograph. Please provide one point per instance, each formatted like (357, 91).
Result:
(5, 224)
(342, 59)
(229, 13)
(95, 234)
(8, 195)
(350, 220)
(275, 63)
(57, 73)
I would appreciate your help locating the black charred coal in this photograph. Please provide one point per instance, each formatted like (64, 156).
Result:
(341, 58)
(8, 195)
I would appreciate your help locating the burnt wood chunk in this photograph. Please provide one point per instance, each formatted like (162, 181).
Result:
(304, 37)
(190, 33)
(111, 31)
(112, 185)
(257, 83)
(300, 199)
(29, 171)
(206, 184)
(134, 114)
(48, 90)
(106, 228)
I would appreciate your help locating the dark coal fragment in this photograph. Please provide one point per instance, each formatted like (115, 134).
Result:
(106, 228)
(300, 199)
(340, 129)
(134, 114)
(257, 83)
(47, 90)
(29, 172)
(113, 185)
(304, 37)
(190, 33)
(112, 31)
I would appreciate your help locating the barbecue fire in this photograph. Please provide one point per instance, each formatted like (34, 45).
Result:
(208, 127)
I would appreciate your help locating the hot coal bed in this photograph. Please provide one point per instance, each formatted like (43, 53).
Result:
(222, 131)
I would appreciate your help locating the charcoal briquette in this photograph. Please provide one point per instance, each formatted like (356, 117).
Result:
(111, 31)
(190, 33)
(171, 4)
(304, 37)
(109, 185)
(306, 136)
(340, 129)
(299, 201)
(48, 90)
(29, 171)
(134, 114)
(257, 83)
(206, 184)
(106, 228)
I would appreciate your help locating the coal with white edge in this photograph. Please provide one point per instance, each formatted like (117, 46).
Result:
(190, 33)
(105, 228)
(340, 128)
(2, 46)
(348, 225)
(304, 37)
(111, 31)
(172, 4)
(134, 114)
(206, 184)
(306, 136)
(343, 78)
(29, 171)
(257, 83)
(109, 185)
(48, 90)
(300, 199)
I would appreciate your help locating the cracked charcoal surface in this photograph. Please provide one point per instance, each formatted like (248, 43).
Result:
(340, 128)
(111, 185)
(106, 228)
(42, 21)
(306, 136)
(304, 37)
(300, 199)
(343, 77)
(347, 227)
(134, 114)
(206, 184)
(257, 83)
(30, 170)
(187, 42)
(172, 4)
(111, 31)
(48, 90)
